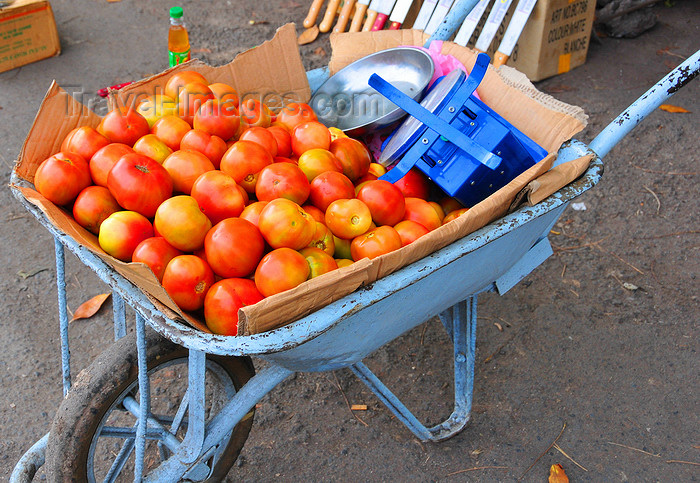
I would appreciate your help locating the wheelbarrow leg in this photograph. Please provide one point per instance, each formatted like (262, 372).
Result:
(460, 320)
(62, 313)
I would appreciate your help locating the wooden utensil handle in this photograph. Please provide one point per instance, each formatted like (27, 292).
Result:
(359, 16)
(311, 17)
(344, 16)
(327, 21)
(369, 21)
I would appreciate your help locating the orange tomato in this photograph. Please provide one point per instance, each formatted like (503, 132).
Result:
(179, 80)
(184, 167)
(187, 279)
(422, 212)
(281, 269)
(295, 113)
(310, 135)
(282, 180)
(323, 239)
(319, 261)
(181, 222)
(380, 241)
(410, 231)
(348, 218)
(317, 161)
(243, 161)
(262, 136)
(283, 223)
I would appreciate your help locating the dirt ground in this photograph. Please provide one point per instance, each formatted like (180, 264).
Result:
(600, 343)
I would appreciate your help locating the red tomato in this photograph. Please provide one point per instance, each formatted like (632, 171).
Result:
(179, 80)
(310, 135)
(155, 252)
(410, 231)
(187, 279)
(103, 160)
(282, 180)
(384, 200)
(317, 214)
(454, 214)
(295, 113)
(216, 120)
(254, 113)
(328, 187)
(283, 139)
(61, 177)
(381, 240)
(171, 129)
(243, 161)
(323, 239)
(234, 247)
(319, 261)
(85, 141)
(193, 96)
(223, 300)
(92, 206)
(283, 223)
(225, 95)
(421, 211)
(353, 156)
(139, 183)
(348, 218)
(210, 145)
(316, 161)
(184, 167)
(252, 212)
(262, 136)
(281, 269)
(152, 146)
(414, 184)
(122, 231)
(181, 222)
(218, 196)
(123, 125)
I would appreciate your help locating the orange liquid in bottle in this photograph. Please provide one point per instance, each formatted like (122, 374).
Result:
(178, 40)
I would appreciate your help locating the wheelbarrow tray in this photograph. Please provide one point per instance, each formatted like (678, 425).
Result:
(344, 332)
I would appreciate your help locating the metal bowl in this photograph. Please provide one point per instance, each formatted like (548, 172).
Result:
(346, 100)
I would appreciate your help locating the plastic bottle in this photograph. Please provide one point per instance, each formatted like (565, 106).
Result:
(178, 40)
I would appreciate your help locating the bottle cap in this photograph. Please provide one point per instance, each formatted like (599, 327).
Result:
(176, 12)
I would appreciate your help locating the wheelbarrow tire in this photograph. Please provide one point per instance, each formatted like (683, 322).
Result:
(107, 379)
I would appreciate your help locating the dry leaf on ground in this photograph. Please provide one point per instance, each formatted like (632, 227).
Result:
(557, 474)
(672, 108)
(91, 307)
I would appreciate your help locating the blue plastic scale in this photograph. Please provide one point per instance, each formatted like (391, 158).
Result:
(460, 143)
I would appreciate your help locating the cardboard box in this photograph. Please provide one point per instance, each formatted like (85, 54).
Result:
(554, 40)
(27, 33)
(259, 73)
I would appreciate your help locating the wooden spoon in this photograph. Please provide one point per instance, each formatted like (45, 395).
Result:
(308, 35)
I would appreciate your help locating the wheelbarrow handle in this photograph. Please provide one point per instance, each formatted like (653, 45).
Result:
(642, 107)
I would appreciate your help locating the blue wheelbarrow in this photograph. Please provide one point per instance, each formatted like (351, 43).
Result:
(129, 412)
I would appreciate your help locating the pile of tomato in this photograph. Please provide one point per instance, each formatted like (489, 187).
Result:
(228, 202)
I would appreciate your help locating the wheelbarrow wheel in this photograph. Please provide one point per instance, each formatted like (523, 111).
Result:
(92, 435)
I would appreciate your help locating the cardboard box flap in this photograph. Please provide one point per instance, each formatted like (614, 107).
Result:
(269, 72)
(46, 134)
(556, 121)
(285, 307)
